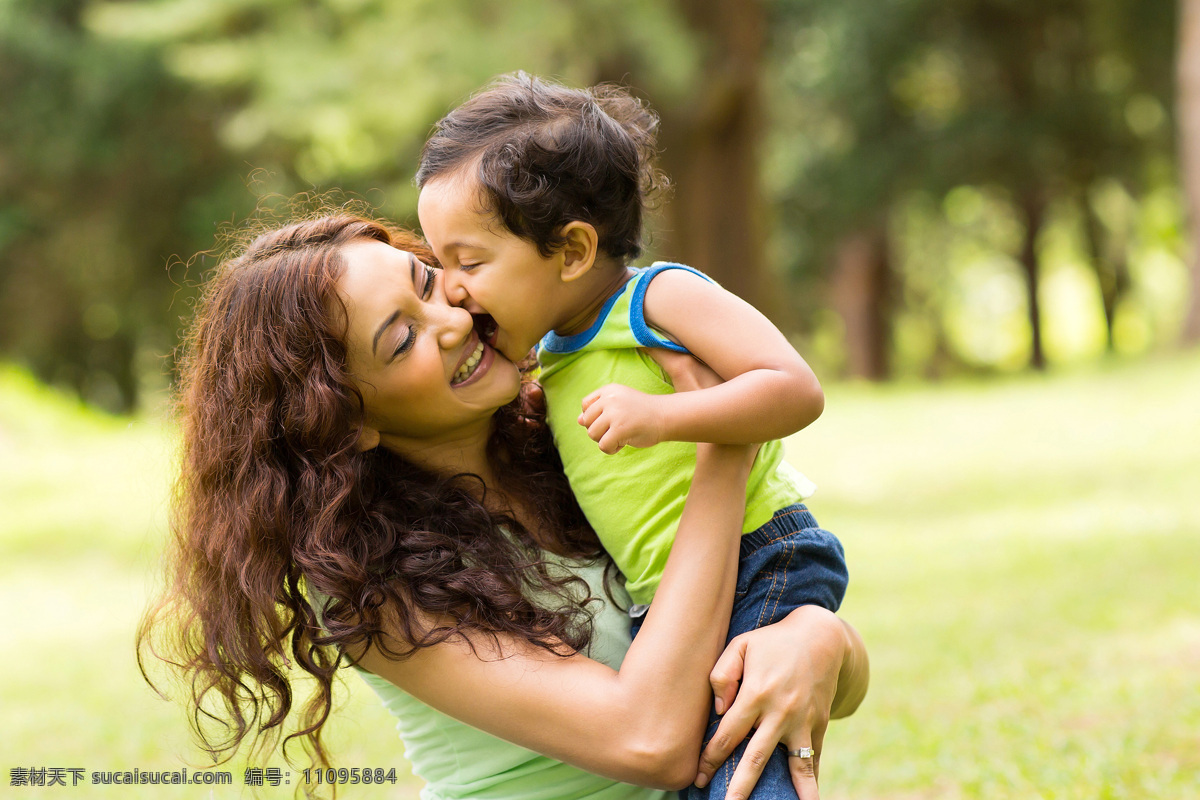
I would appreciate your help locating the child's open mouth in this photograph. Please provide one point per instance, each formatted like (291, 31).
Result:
(487, 328)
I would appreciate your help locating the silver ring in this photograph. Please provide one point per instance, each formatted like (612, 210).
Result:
(803, 752)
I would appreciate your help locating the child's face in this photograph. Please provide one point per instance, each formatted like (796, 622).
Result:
(488, 269)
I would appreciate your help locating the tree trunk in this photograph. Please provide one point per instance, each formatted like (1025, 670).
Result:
(1188, 101)
(861, 293)
(1110, 261)
(1034, 213)
(710, 149)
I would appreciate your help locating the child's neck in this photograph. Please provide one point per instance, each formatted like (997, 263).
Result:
(592, 290)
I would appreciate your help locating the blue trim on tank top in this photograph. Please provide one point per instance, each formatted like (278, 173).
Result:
(644, 334)
(553, 343)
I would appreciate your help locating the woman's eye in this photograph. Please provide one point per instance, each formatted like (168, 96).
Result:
(430, 277)
(407, 342)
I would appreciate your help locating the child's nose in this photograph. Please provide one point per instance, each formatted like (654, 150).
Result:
(456, 292)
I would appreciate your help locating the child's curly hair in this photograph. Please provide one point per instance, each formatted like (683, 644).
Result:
(546, 155)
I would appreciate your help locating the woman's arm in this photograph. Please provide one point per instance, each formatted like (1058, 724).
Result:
(768, 392)
(795, 676)
(642, 724)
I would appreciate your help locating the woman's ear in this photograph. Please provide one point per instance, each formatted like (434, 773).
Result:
(368, 438)
(580, 249)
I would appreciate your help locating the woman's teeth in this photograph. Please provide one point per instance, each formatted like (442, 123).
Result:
(469, 365)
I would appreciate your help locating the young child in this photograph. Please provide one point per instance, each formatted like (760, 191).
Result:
(532, 198)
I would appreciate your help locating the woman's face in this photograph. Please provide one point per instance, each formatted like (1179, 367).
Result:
(424, 374)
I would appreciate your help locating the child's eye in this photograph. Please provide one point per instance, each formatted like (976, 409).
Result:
(468, 267)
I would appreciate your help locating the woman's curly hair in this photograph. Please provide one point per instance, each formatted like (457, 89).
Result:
(275, 506)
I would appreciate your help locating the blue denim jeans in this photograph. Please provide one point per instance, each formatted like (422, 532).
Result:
(787, 563)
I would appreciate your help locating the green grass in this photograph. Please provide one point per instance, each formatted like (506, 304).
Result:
(1025, 568)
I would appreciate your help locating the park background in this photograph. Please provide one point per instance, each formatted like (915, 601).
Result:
(971, 216)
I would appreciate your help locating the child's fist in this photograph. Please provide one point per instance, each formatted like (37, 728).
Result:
(616, 415)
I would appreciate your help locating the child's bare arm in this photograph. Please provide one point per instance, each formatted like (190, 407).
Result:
(769, 391)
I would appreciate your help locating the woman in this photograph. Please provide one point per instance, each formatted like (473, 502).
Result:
(363, 483)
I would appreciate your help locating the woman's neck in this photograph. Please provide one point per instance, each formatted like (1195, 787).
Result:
(463, 451)
(467, 453)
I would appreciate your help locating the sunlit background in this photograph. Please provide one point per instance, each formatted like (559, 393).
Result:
(971, 217)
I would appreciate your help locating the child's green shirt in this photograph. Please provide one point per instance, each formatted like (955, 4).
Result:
(634, 499)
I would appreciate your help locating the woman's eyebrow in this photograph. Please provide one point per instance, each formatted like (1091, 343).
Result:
(375, 342)
(395, 315)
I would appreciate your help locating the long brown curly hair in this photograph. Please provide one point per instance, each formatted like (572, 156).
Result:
(274, 504)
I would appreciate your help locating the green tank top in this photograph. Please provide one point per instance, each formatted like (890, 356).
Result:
(458, 761)
(634, 499)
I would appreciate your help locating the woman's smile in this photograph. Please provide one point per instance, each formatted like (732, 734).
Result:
(477, 359)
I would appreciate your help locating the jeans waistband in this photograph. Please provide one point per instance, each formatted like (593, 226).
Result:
(784, 522)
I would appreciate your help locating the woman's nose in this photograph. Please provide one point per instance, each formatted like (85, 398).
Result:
(456, 325)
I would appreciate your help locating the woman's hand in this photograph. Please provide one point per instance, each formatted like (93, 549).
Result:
(792, 674)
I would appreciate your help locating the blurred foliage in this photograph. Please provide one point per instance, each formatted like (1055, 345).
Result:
(132, 128)
(342, 93)
(107, 169)
(891, 98)
(992, 110)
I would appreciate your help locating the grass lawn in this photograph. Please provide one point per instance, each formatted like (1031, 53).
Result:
(1025, 568)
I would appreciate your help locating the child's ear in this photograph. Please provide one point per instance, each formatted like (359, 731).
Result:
(579, 251)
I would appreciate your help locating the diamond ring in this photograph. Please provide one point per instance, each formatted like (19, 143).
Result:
(803, 752)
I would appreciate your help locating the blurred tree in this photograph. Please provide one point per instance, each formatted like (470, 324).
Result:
(1041, 100)
(797, 132)
(840, 155)
(710, 140)
(105, 169)
(344, 92)
(1189, 146)
(1128, 151)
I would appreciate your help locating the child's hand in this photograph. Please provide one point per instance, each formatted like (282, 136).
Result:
(616, 415)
